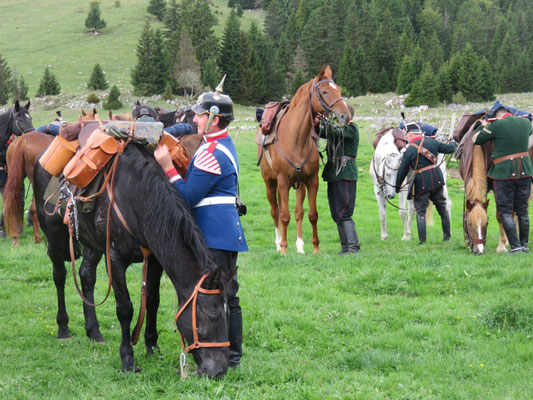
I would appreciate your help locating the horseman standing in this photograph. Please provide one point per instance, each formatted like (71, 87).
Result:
(211, 189)
(511, 171)
(340, 173)
(421, 155)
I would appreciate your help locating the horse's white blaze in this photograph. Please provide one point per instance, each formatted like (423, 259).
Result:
(332, 85)
(480, 246)
(278, 240)
(300, 245)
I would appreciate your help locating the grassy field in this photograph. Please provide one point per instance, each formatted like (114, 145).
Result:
(396, 321)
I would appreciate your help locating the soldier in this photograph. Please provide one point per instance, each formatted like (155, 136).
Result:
(421, 156)
(144, 116)
(210, 188)
(511, 171)
(340, 173)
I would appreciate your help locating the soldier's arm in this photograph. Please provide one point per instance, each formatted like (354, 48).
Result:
(354, 130)
(483, 134)
(447, 148)
(404, 167)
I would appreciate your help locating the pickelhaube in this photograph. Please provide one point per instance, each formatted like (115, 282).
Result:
(216, 98)
(144, 111)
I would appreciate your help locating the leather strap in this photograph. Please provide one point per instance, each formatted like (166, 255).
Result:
(510, 157)
(142, 311)
(417, 171)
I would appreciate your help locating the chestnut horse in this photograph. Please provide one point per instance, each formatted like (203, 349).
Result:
(22, 155)
(294, 159)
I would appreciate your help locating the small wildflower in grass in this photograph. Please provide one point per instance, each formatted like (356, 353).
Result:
(470, 365)
(481, 365)
(458, 317)
(30, 271)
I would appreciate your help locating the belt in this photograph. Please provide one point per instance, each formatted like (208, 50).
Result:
(510, 157)
(417, 171)
(211, 201)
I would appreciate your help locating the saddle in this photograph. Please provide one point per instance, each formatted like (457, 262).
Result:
(178, 153)
(71, 130)
(268, 119)
(400, 139)
(265, 140)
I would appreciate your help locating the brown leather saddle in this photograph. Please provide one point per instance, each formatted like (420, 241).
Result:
(400, 139)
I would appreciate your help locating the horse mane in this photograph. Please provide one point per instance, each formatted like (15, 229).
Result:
(166, 210)
(476, 188)
(301, 94)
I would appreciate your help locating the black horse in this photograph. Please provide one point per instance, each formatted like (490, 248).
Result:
(168, 118)
(15, 121)
(135, 113)
(159, 219)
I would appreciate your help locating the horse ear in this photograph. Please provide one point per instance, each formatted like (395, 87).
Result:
(94, 111)
(137, 103)
(27, 106)
(17, 106)
(327, 72)
(110, 115)
(321, 74)
(83, 112)
(213, 280)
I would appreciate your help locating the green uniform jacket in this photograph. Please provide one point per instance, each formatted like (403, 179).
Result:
(346, 142)
(430, 179)
(510, 136)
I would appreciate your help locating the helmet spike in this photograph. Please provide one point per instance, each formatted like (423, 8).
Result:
(220, 85)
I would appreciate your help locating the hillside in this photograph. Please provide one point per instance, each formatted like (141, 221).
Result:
(34, 35)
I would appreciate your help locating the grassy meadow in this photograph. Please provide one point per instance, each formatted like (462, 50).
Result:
(397, 321)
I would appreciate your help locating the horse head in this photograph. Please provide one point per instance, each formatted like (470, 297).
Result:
(386, 163)
(476, 220)
(203, 322)
(91, 116)
(138, 107)
(327, 97)
(21, 121)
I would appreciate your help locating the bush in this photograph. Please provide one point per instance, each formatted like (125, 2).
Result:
(458, 98)
(48, 85)
(117, 3)
(167, 94)
(92, 98)
(113, 102)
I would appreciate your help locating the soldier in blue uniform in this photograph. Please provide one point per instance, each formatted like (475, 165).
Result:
(210, 189)
(421, 156)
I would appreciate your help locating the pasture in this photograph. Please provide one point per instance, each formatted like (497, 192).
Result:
(396, 321)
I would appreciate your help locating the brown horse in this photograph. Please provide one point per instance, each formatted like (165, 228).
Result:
(22, 155)
(293, 157)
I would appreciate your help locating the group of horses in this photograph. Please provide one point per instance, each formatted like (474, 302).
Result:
(143, 211)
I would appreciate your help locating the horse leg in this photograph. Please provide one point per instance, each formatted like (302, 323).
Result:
(35, 221)
(406, 215)
(430, 221)
(382, 206)
(299, 216)
(59, 274)
(312, 188)
(284, 214)
(124, 309)
(152, 305)
(88, 279)
(271, 193)
(502, 239)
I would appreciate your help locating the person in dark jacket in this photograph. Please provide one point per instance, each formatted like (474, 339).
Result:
(511, 173)
(421, 156)
(3, 180)
(340, 173)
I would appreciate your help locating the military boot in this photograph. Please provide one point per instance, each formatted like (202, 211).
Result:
(510, 231)
(235, 338)
(421, 225)
(523, 230)
(352, 240)
(2, 231)
(446, 231)
(342, 236)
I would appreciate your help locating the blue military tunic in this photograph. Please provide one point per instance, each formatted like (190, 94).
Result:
(210, 189)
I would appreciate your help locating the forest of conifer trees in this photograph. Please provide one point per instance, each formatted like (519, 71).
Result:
(435, 50)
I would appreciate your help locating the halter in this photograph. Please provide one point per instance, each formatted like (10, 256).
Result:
(328, 108)
(468, 207)
(15, 123)
(196, 343)
(381, 179)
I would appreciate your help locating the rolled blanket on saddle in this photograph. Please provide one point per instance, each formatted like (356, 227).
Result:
(51, 129)
(180, 129)
(420, 128)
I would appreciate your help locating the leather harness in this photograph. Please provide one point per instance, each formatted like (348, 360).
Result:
(510, 157)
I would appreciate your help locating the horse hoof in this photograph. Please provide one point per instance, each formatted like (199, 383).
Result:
(406, 237)
(151, 350)
(384, 237)
(96, 337)
(37, 241)
(316, 251)
(64, 336)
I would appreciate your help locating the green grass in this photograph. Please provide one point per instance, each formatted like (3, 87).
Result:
(396, 321)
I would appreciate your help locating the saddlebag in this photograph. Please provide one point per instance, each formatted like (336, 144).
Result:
(178, 153)
(57, 155)
(90, 159)
(269, 116)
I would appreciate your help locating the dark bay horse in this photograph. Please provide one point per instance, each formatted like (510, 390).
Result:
(15, 122)
(157, 218)
(293, 159)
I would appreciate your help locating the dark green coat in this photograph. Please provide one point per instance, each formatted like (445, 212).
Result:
(510, 136)
(341, 149)
(430, 179)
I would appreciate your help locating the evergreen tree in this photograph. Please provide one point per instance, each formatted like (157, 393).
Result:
(469, 74)
(113, 102)
(406, 75)
(157, 8)
(229, 54)
(487, 81)
(261, 59)
(20, 88)
(97, 80)
(429, 87)
(455, 65)
(161, 66)
(430, 46)
(384, 55)
(5, 81)
(250, 72)
(277, 20)
(186, 68)
(445, 88)
(510, 77)
(210, 76)
(346, 77)
(239, 11)
(414, 95)
(497, 40)
(94, 20)
(173, 23)
(297, 81)
(49, 85)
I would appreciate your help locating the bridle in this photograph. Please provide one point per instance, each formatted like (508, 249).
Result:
(381, 179)
(196, 342)
(15, 124)
(468, 207)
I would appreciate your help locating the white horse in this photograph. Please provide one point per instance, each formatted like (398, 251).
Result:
(383, 171)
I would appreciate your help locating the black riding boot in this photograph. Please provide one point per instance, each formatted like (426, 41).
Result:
(352, 240)
(421, 225)
(342, 236)
(235, 338)
(510, 231)
(446, 231)
(2, 229)
(523, 230)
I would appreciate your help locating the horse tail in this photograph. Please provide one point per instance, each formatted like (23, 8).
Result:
(15, 180)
